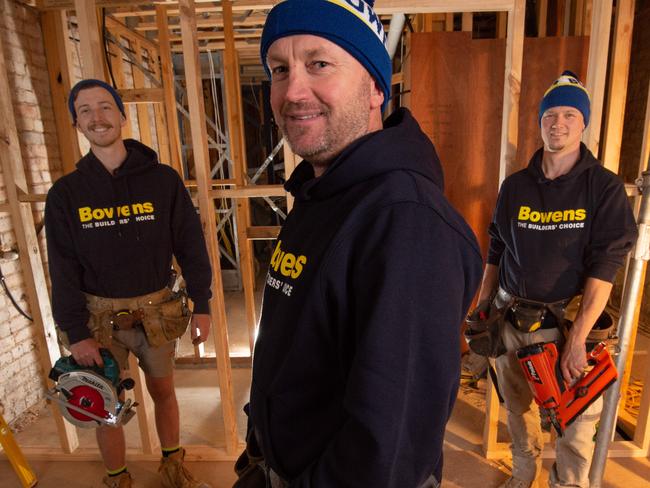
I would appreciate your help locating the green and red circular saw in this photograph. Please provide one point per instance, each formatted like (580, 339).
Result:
(90, 397)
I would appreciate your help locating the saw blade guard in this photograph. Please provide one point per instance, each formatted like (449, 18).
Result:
(90, 397)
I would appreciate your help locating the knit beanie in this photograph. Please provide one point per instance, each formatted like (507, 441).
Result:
(89, 83)
(566, 91)
(351, 24)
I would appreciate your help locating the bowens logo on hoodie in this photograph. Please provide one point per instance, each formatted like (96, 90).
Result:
(101, 217)
(288, 265)
(529, 218)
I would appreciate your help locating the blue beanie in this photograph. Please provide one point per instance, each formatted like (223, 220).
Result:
(351, 24)
(89, 83)
(566, 91)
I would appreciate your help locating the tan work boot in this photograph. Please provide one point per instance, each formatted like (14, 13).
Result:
(517, 483)
(175, 475)
(121, 481)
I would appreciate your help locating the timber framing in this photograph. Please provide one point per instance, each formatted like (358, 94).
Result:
(141, 51)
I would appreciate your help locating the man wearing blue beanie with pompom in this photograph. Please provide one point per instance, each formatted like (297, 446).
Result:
(357, 361)
(560, 232)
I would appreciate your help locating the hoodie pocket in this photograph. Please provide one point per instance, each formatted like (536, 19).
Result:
(260, 417)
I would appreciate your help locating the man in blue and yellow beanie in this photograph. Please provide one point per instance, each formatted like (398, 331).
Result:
(356, 363)
(561, 230)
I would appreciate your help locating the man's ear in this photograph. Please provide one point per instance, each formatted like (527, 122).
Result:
(123, 119)
(376, 95)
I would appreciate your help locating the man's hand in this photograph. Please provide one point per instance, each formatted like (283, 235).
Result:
(200, 326)
(574, 360)
(574, 355)
(86, 353)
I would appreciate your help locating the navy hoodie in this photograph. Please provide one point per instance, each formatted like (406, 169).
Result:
(356, 365)
(549, 236)
(114, 236)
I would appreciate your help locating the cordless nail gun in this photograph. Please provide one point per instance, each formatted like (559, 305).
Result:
(561, 403)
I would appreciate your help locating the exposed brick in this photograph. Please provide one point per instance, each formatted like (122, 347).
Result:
(25, 96)
(4, 332)
(5, 360)
(36, 45)
(27, 333)
(32, 137)
(36, 151)
(39, 59)
(16, 55)
(30, 111)
(17, 68)
(23, 82)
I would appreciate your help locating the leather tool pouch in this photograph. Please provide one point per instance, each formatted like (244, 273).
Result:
(166, 321)
(529, 315)
(483, 334)
(526, 316)
(604, 330)
(99, 326)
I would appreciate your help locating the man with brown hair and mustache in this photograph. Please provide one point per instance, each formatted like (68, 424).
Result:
(113, 226)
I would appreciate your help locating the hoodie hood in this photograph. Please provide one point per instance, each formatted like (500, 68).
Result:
(402, 144)
(139, 158)
(586, 161)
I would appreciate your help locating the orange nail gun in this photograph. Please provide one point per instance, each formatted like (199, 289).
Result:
(559, 402)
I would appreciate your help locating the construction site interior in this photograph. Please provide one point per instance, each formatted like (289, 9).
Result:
(189, 71)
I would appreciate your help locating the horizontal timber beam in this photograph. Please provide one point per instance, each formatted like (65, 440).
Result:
(262, 233)
(251, 21)
(252, 191)
(142, 95)
(242, 5)
(381, 7)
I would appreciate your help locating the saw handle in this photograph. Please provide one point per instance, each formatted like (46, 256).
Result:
(125, 384)
(66, 364)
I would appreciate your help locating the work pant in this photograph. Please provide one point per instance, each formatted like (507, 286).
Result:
(574, 449)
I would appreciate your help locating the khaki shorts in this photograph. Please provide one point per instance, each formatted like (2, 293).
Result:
(157, 362)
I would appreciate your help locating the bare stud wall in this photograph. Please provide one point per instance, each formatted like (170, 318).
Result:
(20, 372)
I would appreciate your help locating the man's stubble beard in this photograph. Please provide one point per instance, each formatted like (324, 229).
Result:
(337, 135)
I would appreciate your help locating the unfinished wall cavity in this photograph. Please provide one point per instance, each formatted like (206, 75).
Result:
(21, 381)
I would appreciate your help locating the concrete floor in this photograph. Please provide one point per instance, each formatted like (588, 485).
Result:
(201, 424)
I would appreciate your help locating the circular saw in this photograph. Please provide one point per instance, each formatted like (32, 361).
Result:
(90, 397)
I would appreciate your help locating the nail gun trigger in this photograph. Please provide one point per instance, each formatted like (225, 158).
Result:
(582, 392)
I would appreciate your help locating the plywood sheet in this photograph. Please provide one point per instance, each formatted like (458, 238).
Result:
(457, 92)
(457, 96)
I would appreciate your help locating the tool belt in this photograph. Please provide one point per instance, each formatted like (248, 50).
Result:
(483, 331)
(530, 315)
(163, 315)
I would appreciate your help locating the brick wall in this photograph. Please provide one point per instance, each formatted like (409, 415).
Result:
(21, 385)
